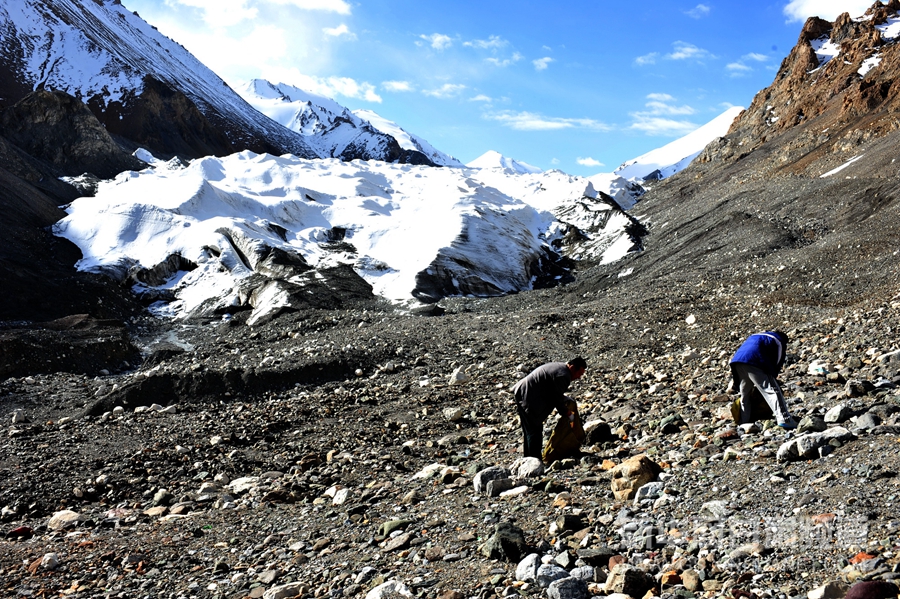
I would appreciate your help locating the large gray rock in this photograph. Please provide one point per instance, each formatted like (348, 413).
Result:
(547, 574)
(495, 487)
(568, 588)
(527, 468)
(527, 569)
(507, 543)
(807, 447)
(482, 479)
(837, 414)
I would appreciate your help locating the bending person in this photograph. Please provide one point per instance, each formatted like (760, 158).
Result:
(755, 367)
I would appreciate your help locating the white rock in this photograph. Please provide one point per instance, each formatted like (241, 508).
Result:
(515, 491)
(392, 589)
(18, 416)
(62, 519)
(169, 410)
(216, 440)
(526, 571)
(340, 497)
(454, 414)
(156, 408)
(243, 484)
(835, 589)
(141, 409)
(118, 411)
(50, 561)
(527, 468)
(459, 376)
(429, 471)
(284, 591)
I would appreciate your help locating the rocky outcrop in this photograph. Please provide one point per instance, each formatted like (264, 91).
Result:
(59, 129)
(830, 105)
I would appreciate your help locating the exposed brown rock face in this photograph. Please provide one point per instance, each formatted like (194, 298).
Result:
(165, 121)
(829, 106)
(57, 128)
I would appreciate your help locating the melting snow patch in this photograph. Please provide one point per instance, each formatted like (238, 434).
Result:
(869, 64)
(890, 30)
(842, 167)
(825, 50)
(626, 272)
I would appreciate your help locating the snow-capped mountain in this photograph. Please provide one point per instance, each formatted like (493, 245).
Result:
(336, 132)
(204, 236)
(143, 86)
(492, 159)
(407, 141)
(675, 156)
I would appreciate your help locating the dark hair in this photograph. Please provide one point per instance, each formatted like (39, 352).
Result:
(578, 363)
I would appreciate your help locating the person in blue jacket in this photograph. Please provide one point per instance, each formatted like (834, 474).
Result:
(755, 367)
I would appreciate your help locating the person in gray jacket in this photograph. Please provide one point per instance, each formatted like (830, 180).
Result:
(538, 394)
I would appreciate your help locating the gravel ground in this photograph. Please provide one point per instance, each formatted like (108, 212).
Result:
(330, 419)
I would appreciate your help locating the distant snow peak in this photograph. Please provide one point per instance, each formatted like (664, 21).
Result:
(493, 159)
(675, 156)
(335, 131)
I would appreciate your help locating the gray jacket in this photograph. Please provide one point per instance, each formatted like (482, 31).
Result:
(543, 390)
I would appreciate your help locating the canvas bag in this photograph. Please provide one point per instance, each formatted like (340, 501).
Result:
(565, 440)
(759, 409)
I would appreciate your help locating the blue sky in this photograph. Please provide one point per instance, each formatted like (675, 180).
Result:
(580, 86)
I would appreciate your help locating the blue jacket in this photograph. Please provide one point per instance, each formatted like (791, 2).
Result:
(765, 350)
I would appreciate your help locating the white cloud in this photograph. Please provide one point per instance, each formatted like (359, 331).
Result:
(738, 68)
(495, 42)
(589, 162)
(529, 121)
(698, 12)
(222, 13)
(338, 6)
(653, 121)
(554, 161)
(659, 126)
(646, 59)
(481, 98)
(330, 87)
(339, 31)
(800, 10)
(504, 62)
(686, 51)
(663, 108)
(397, 86)
(541, 64)
(448, 90)
(438, 41)
(756, 56)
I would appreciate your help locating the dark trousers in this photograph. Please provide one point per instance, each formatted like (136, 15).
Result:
(532, 434)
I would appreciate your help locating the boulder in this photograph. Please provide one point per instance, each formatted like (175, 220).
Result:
(527, 468)
(568, 588)
(632, 474)
(507, 543)
(485, 476)
(625, 578)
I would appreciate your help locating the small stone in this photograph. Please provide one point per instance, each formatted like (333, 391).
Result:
(454, 414)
